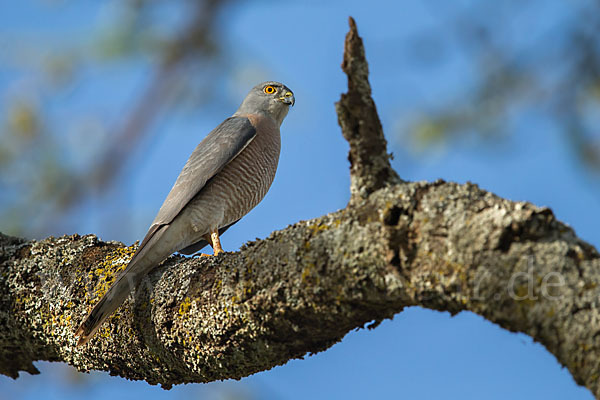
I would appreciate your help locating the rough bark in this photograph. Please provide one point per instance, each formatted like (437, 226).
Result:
(438, 245)
(370, 168)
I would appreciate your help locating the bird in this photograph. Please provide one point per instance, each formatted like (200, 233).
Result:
(226, 176)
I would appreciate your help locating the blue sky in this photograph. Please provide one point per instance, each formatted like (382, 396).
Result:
(419, 354)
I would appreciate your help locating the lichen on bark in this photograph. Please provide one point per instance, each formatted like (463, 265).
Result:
(438, 245)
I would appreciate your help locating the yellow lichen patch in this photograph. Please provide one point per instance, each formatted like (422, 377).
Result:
(521, 292)
(104, 275)
(584, 346)
(185, 338)
(316, 228)
(247, 288)
(307, 274)
(454, 269)
(23, 300)
(524, 296)
(104, 332)
(185, 306)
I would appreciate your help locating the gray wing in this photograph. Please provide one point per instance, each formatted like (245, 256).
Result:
(221, 146)
(213, 153)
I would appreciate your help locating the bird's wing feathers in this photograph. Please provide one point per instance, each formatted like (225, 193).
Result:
(213, 153)
(221, 146)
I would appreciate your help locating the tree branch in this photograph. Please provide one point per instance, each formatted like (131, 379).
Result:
(438, 245)
(370, 168)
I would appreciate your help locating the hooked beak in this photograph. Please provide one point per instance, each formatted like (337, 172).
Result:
(288, 98)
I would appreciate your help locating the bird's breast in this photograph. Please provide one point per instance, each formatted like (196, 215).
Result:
(244, 181)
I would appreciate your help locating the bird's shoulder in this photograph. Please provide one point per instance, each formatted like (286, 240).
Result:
(264, 125)
(211, 155)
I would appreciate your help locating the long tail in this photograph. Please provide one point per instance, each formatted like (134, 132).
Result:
(137, 269)
(115, 296)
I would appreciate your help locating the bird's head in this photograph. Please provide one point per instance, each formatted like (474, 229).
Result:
(271, 98)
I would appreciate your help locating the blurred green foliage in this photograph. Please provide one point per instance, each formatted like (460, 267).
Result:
(55, 154)
(556, 74)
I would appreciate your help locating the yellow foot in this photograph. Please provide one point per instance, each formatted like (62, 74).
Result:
(217, 252)
(215, 243)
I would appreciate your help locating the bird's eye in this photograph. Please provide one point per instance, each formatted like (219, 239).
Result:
(269, 89)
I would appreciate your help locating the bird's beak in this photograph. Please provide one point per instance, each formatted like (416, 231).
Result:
(288, 98)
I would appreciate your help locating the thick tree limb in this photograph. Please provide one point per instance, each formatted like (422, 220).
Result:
(438, 245)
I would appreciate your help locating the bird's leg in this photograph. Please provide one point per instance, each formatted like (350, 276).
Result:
(214, 241)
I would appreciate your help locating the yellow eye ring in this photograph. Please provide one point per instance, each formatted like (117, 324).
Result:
(269, 89)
